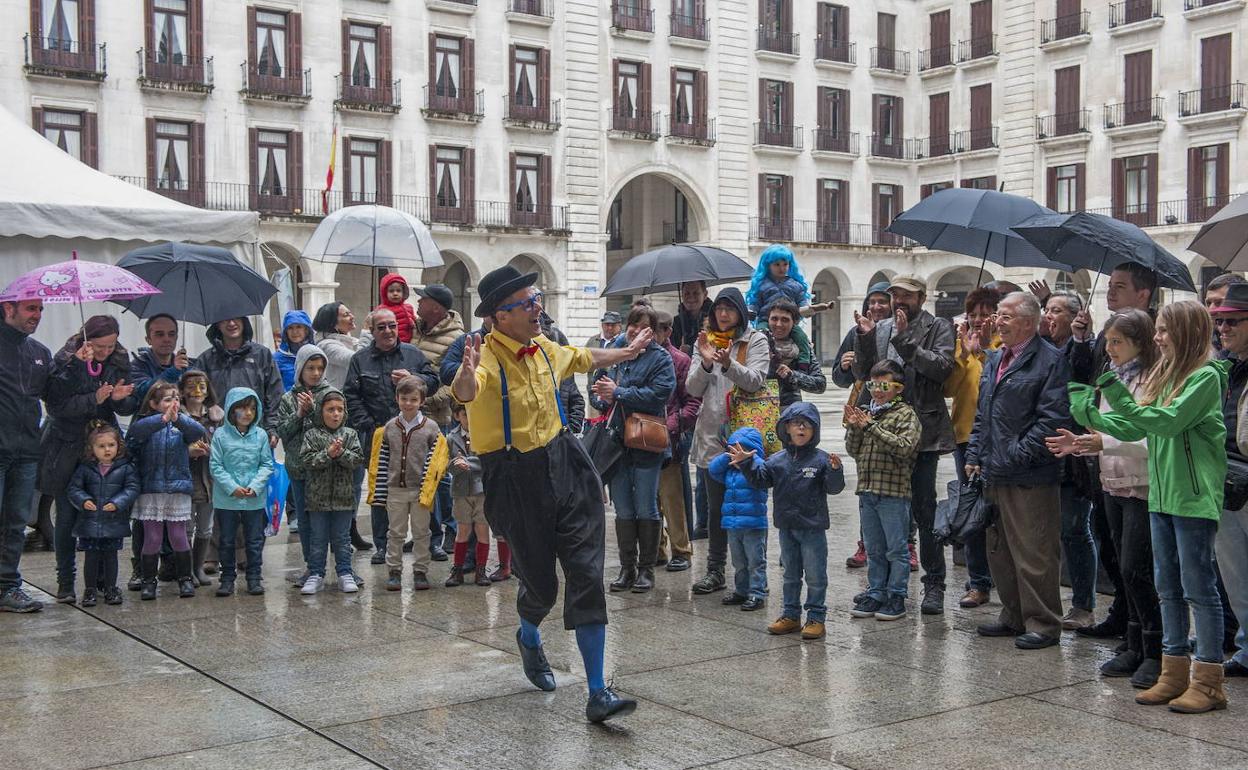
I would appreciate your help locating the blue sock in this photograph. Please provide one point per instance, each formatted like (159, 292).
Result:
(529, 635)
(592, 641)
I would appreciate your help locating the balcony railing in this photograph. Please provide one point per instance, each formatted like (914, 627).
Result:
(1191, 5)
(1063, 124)
(934, 146)
(778, 135)
(1134, 113)
(1212, 99)
(538, 112)
(296, 85)
(890, 59)
(632, 15)
(977, 48)
(777, 42)
(65, 57)
(831, 49)
(829, 140)
(455, 102)
(1185, 211)
(690, 27)
(978, 139)
(378, 95)
(1064, 27)
(645, 125)
(675, 232)
(307, 202)
(828, 231)
(460, 2)
(933, 58)
(1132, 11)
(883, 146)
(532, 7)
(175, 71)
(699, 131)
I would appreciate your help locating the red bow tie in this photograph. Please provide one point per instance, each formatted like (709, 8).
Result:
(527, 351)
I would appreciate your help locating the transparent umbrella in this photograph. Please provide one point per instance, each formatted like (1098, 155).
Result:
(373, 236)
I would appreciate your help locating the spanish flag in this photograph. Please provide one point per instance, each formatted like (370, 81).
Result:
(329, 175)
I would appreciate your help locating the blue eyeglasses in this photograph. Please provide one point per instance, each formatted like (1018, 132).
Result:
(528, 303)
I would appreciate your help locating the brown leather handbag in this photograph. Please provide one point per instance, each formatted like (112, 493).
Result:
(646, 432)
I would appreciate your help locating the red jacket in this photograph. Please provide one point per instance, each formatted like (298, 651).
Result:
(403, 312)
(682, 408)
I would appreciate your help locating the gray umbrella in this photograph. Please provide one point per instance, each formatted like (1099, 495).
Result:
(199, 284)
(1224, 238)
(373, 236)
(665, 268)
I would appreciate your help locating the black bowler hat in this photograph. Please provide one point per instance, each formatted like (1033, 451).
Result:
(1236, 300)
(499, 284)
(438, 293)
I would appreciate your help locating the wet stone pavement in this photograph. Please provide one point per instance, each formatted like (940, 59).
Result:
(433, 680)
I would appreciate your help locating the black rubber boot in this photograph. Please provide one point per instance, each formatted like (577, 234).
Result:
(1126, 662)
(626, 535)
(1150, 668)
(186, 580)
(648, 533)
(149, 566)
(358, 542)
(136, 575)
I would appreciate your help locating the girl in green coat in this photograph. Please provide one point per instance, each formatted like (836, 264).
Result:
(1180, 414)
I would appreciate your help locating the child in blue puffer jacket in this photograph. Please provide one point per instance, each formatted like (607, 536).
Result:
(745, 520)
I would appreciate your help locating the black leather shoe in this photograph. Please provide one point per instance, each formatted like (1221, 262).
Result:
(1147, 674)
(378, 557)
(1034, 641)
(65, 592)
(1106, 629)
(677, 564)
(933, 601)
(733, 598)
(753, 603)
(1123, 664)
(536, 667)
(606, 703)
(437, 554)
(1234, 668)
(996, 629)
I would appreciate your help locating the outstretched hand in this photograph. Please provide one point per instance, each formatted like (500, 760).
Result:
(738, 454)
(865, 324)
(706, 350)
(464, 387)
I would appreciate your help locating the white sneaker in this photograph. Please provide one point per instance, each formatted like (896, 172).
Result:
(347, 584)
(311, 585)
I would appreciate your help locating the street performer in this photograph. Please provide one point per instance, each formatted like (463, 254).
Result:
(542, 492)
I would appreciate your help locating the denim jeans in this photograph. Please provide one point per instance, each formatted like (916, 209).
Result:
(299, 498)
(63, 538)
(978, 576)
(805, 552)
(635, 492)
(923, 513)
(17, 487)
(1183, 568)
(329, 529)
(253, 541)
(381, 526)
(1079, 547)
(1232, 548)
(885, 525)
(749, 558)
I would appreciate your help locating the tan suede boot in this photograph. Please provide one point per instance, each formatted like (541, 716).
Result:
(1205, 693)
(1175, 670)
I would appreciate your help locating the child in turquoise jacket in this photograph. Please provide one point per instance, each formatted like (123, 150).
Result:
(241, 463)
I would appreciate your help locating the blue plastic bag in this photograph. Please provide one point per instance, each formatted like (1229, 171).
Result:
(279, 486)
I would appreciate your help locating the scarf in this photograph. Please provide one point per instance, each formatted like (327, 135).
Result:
(875, 409)
(1128, 372)
(786, 350)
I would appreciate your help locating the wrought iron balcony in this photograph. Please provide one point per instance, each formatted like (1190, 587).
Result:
(455, 103)
(1133, 11)
(886, 146)
(829, 140)
(532, 7)
(65, 58)
(537, 114)
(890, 60)
(826, 231)
(641, 124)
(978, 139)
(778, 135)
(934, 58)
(296, 86)
(777, 42)
(977, 48)
(1064, 27)
(1063, 124)
(174, 72)
(1134, 113)
(632, 15)
(689, 27)
(935, 146)
(377, 96)
(694, 131)
(831, 49)
(1212, 99)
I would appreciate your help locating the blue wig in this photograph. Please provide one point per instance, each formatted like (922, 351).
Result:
(775, 253)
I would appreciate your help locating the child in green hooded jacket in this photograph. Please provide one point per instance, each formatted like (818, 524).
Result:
(331, 453)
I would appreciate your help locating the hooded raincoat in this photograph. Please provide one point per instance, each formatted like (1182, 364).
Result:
(287, 351)
(240, 460)
(290, 425)
(802, 476)
(250, 366)
(331, 480)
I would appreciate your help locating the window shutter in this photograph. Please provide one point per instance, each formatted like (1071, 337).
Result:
(383, 172)
(875, 211)
(433, 64)
(544, 194)
(469, 184)
(1223, 190)
(468, 73)
(1081, 186)
(842, 213)
(1138, 78)
(196, 27)
(347, 189)
(433, 176)
(253, 163)
(511, 77)
(36, 119)
(981, 108)
(821, 213)
(251, 43)
(877, 106)
(197, 164)
(788, 207)
(823, 24)
(151, 153)
(762, 103)
(1195, 183)
(762, 199)
(90, 138)
(981, 19)
(643, 91)
(1118, 178)
(385, 63)
(671, 94)
(786, 19)
(294, 47)
(1215, 61)
(700, 103)
(86, 30)
(823, 103)
(788, 113)
(615, 90)
(511, 182)
(843, 105)
(543, 83)
(149, 31)
(294, 170)
(924, 191)
(1153, 169)
(346, 55)
(1050, 185)
(36, 21)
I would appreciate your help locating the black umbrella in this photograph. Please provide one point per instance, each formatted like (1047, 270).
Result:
(665, 268)
(1101, 243)
(976, 223)
(199, 284)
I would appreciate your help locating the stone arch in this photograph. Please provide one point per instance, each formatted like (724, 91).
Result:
(883, 275)
(547, 281)
(827, 328)
(287, 270)
(695, 194)
(947, 288)
(459, 274)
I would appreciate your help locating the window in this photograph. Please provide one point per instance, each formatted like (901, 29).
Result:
(940, 54)
(938, 125)
(832, 210)
(368, 170)
(524, 65)
(60, 25)
(688, 104)
(981, 183)
(682, 96)
(451, 74)
(615, 225)
(887, 126)
(776, 113)
(1135, 189)
(689, 19)
(775, 207)
(626, 89)
(680, 218)
(1067, 196)
(170, 23)
(174, 36)
(446, 65)
(362, 55)
(273, 52)
(888, 204)
(932, 188)
(631, 97)
(367, 77)
(175, 159)
(530, 84)
(773, 109)
(982, 134)
(63, 34)
(64, 129)
(530, 190)
(833, 40)
(271, 167)
(451, 183)
(1137, 184)
(271, 43)
(1208, 182)
(775, 26)
(276, 170)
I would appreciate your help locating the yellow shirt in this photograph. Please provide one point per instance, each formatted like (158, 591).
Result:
(963, 387)
(532, 393)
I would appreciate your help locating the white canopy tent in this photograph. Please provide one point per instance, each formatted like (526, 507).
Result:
(52, 205)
